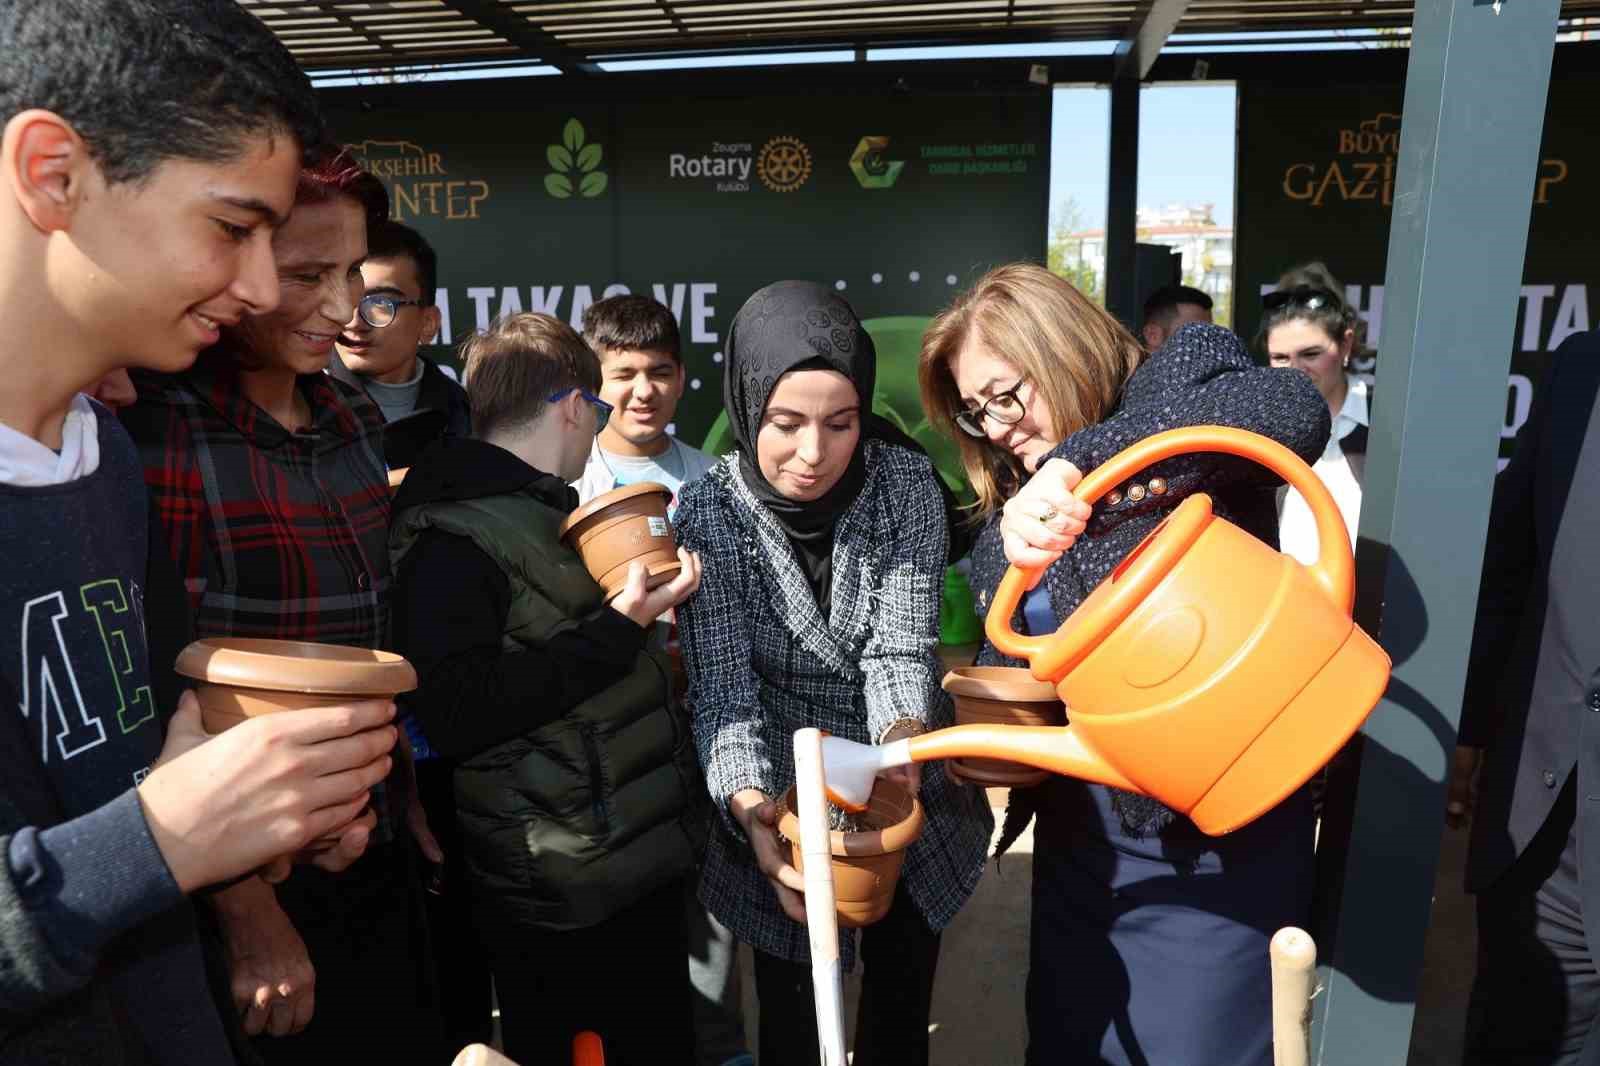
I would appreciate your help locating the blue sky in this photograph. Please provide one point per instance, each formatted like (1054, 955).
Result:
(1186, 148)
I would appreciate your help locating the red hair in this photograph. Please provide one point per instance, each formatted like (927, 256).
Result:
(331, 172)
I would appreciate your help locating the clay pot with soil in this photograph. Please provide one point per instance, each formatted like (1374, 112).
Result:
(867, 854)
(611, 531)
(1001, 695)
(238, 678)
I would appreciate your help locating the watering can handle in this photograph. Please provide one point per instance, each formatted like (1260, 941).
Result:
(1334, 569)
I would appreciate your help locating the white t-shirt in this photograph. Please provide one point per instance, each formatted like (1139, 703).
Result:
(674, 468)
(26, 463)
(1297, 528)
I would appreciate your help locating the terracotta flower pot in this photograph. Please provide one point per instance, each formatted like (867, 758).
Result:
(238, 678)
(611, 531)
(1001, 695)
(866, 863)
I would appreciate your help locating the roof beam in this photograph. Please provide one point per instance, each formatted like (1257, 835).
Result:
(525, 35)
(1148, 31)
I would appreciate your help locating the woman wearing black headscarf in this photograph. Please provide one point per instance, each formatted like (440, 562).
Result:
(824, 539)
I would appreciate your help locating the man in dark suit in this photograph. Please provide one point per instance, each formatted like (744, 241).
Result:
(1533, 703)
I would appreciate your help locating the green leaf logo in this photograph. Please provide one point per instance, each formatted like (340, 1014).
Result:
(573, 157)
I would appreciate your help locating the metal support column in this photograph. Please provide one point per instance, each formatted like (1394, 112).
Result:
(1122, 202)
(1476, 85)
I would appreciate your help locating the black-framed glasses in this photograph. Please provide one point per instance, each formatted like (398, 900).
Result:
(378, 309)
(1006, 408)
(1310, 297)
(602, 410)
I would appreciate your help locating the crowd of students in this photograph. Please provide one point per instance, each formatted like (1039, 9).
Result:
(561, 822)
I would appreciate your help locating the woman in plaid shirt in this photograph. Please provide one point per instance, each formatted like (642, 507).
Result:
(824, 540)
(268, 477)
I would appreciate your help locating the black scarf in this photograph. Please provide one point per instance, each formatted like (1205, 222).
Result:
(786, 326)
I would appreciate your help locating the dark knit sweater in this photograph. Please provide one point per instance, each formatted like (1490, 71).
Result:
(98, 956)
(1202, 376)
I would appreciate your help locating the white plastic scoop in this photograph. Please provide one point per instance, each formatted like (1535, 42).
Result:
(850, 768)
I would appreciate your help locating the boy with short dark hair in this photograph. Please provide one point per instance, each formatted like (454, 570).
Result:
(378, 350)
(642, 378)
(149, 148)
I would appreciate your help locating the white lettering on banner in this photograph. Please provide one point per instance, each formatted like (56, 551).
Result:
(480, 297)
(441, 300)
(699, 296)
(582, 300)
(1571, 317)
(700, 312)
(1534, 297)
(676, 303)
(1519, 401)
(544, 302)
(682, 166)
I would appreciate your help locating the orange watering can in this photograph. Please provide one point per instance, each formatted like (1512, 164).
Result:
(1207, 670)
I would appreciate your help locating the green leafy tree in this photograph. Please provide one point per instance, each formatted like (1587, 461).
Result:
(1065, 255)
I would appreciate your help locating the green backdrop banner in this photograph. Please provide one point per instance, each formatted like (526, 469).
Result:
(1317, 181)
(539, 202)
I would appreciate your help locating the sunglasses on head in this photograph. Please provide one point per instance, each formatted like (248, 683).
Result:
(1310, 297)
(602, 410)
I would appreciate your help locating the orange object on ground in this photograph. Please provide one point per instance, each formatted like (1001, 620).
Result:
(587, 1050)
(1207, 670)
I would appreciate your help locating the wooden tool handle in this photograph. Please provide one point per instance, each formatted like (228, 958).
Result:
(1294, 974)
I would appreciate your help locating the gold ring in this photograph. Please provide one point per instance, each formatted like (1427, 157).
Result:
(1047, 514)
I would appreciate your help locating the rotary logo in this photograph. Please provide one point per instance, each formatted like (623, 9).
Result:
(783, 164)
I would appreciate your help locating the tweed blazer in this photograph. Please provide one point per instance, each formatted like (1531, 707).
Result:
(763, 662)
(1201, 376)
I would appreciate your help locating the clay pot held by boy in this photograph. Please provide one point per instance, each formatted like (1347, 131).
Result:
(238, 678)
(866, 862)
(1001, 695)
(611, 531)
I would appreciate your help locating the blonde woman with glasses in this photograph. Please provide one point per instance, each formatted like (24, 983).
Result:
(1149, 939)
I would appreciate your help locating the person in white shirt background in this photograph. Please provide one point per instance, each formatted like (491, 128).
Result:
(642, 378)
(1307, 325)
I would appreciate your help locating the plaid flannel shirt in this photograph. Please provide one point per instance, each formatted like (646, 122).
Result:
(276, 534)
(763, 662)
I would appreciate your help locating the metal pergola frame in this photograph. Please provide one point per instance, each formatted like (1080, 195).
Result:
(1477, 74)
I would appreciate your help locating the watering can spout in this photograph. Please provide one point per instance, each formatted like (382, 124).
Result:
(1057, 749)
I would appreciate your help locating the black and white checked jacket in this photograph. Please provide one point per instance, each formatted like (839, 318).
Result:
(762, 663)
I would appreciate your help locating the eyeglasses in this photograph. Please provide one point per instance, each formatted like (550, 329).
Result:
(1005, 408)
(378, 309)
(1310, 297)
(602, 410)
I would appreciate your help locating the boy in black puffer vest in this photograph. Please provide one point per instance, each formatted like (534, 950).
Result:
(576, 782)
